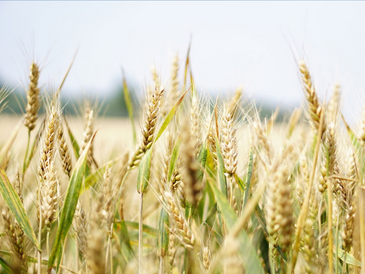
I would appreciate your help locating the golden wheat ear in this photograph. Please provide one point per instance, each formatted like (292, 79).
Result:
(149, 127)
(81, 228)
(49, 204)
(186, 235)
(88, 132)
(190, 166)
(314, 108)
(174, 91)
(33, 104)
(16, 239)
(163, 182)
(263, 140)
(64, 152)
(228, 143)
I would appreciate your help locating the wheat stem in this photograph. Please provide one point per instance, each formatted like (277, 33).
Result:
(111, 252)
(329, 221)
(26, 155)
(77, 255)
(161, 265)
(47, 240)
(140, 236)
(39, 231)
(362, 228)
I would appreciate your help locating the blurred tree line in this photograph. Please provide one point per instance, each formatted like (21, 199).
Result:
(110, 105)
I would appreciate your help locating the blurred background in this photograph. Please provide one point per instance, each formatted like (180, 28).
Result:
(251, 44)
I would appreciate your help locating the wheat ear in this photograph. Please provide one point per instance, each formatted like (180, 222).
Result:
(96, 240)
(32, 108)
(89, 118)
(81, 229)
(333, 108)
(15, 234)
(171, 247)
(190, 167)
(108, 210)
(64, 152)
(149, 128)
(48, 148)
(314, 108)
(206, 258)
(309, 241)
(49, 203)
(263, 140)
(16, 238)
(186, 235)
(234, 103)
(163, 183)
(195, 125)
(174, 93)
(229, 143)
(47, 157)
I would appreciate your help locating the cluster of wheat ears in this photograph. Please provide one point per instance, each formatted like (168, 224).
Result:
(217, 189)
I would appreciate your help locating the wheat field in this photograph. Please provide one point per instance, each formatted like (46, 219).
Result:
(188, 184)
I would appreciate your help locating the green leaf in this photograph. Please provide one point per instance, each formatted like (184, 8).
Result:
(129, 104)
(220, 170)
(75, 145)
(65, 77)
(144, 172)
(146, 229)
(174, 157)
(68, 210)
(202, 159)
(34, 260)
(124, 233)
(248, 177)
(187, 62)
(5, 265)
(357, 147)
(170, 116)
(351, 260)
(239, 181)
(163, 233)
(16, 207)
(247, 250)
(260, 217)
(35, 145)
(97, 175)
(228, 213)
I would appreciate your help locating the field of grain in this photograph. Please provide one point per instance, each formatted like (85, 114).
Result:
(202, 186)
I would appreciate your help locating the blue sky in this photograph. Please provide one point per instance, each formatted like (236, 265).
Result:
(254, 44)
